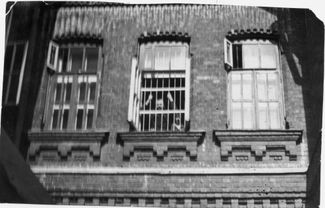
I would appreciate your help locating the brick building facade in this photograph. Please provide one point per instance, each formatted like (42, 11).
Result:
(180, 106)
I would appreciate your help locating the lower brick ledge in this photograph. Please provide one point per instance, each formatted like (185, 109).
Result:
(164, 171)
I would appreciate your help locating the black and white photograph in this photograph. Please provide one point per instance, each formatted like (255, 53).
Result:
(181, 105)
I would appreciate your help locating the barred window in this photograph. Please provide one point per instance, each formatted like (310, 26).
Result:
(73, 87)
(255, 92)
(159, 92)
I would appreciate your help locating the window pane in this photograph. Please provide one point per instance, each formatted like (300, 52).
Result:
(58, 92)
(177, 56)
(272, 86)
(274, 115)
(261, 86)
(5, 83)
(247, 86)
(55, 119)
(76, 62)
(68, 92)
(146, 57)
(20, 48)
(79, 118)
(65, 118)
(236, 116)
(63, 59)
(237, 56)
(92, 59)
(268, 56)
(13, 88)
(82, 91)
(8, 58)
(262, 116)
(162, 55)
(90, 118)
(92, 90)
(235, 86)
(250, 56)
(248, 115)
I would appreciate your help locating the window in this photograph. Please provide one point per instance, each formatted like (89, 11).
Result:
(255, 92)
(15, 58)
(159, 90)
(73, 87)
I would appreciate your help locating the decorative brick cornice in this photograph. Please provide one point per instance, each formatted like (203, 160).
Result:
(164, 36)
(251, 34)
(65, 146)
(158, 145)
(66, 136)
(258, 145)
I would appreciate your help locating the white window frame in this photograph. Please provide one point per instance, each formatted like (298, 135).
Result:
(254, 73)
(74, 78)
(21, 73)
(136, 90)
(52, 55)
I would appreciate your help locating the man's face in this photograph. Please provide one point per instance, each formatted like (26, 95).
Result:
(160, 104)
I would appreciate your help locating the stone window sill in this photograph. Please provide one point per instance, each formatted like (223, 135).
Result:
(65, 146)
(258, 145)
(160, 146)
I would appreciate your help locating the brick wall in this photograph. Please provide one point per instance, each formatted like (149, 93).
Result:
(207, 26)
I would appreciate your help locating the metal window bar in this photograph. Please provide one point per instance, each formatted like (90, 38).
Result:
(163, 108)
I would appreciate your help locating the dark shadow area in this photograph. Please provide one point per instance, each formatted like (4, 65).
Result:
(31, 22)
(302, 42)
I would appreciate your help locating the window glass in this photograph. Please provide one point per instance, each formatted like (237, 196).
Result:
(273, 86)
(146, 58)
(92, 89)
(162, 57)
(55, 119)
(79, 118)
(76, 59)
(250, 56)
(236, 115)
(177, 57)
(247, 86)
(268, 56)
(13, 88)
(58, 92)
(68, 92)
(247, 115)
(261, 86)
(274, 115)
(90, 118)
(262, 115)
(82, 91)
(237, 56)
(235, 87)
(65, 118)
(63, 59)
(91, 59)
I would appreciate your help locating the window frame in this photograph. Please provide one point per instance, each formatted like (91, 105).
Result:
(254, 72)
(74, 104)
(137, 75)
(5, 95)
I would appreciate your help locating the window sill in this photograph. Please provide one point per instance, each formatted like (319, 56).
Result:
(258, 145)
(160, 146)
(65, 146)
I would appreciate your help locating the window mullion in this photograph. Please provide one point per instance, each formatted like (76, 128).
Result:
(254, 105)
(74, 102)
(242, 100)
